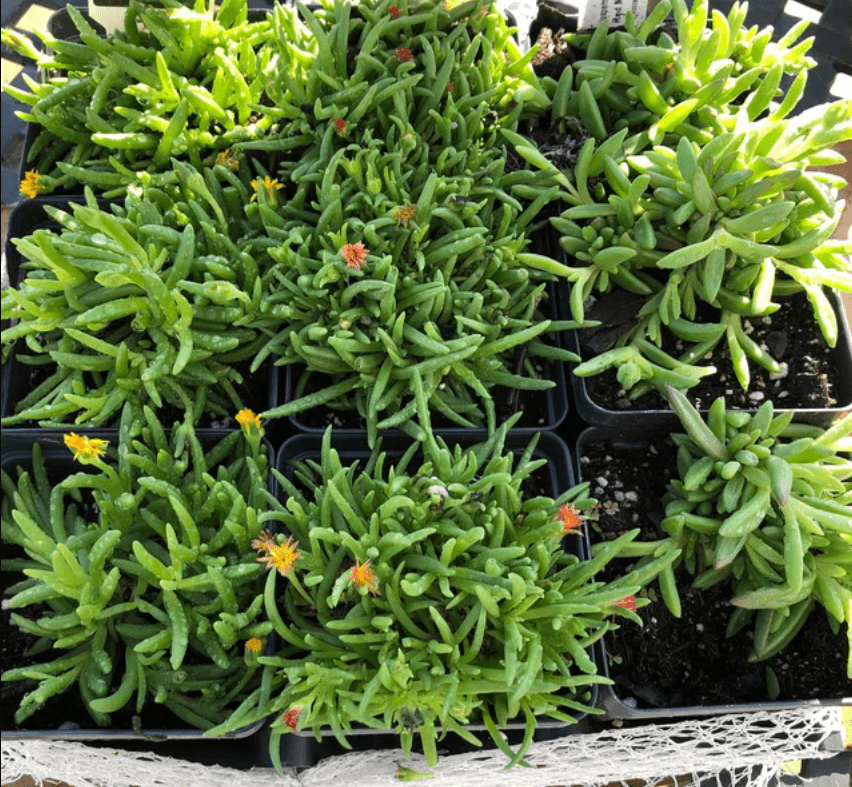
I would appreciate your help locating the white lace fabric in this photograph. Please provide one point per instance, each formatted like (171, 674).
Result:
(736, 750)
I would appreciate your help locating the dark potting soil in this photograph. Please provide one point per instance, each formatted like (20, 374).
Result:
(672, 662)
(791, 335)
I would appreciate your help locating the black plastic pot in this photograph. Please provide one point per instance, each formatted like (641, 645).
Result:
(617, 701)
(301, 748)
(15, 375)
(554, 407)
(17, 452)
(595, 415)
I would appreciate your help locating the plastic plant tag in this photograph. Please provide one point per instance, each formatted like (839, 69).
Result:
(592, 12)
(108, 13)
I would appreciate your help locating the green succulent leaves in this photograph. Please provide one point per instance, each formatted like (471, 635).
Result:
(769, 513)
(430, 589)
(705, 199)
(145, 601)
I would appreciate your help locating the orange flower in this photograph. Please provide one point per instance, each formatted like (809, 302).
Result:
(225, 159)
(291, 717)
(31, 185)
(340, 123)
(282, 557)
(405, 214)
(404, 55)
(264, 542)
(355, 254)
(394, 12)
(269, 183)
(364, 577)
(85, 446)
(628, 603)
(254, 645)
(570, 519)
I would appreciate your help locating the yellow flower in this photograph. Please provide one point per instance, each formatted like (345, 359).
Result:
(283, 557)
(247, 418)
(405, 214)
(355, 254)
(269, 183)
(225, 159)
(363, 576)
(84, 446)
(254, 645)
(31, 185)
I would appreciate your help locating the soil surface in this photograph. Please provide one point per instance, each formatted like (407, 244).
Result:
(672, 662)
(791, 335)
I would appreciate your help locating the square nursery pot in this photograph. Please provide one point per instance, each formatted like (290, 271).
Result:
(544, 411)
(301, 748)
(649, 691)
(19, 378)
(838, 366)
(17, 452)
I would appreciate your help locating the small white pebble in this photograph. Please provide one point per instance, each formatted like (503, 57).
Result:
(757, 396)
(601, 481)
(619, 496)
(631, 496)
(783, 394)
(436, 490)
(699, 627)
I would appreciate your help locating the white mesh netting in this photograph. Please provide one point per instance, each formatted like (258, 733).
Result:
(740, 750)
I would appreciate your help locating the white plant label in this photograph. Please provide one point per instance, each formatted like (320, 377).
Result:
(109, 14)
(593, 12)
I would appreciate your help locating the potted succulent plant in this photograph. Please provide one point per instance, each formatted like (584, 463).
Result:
(413, 254)
(427, 589)
(759, 508)
(149, 303)
(696, 213)
(132, 593)
(174, 82)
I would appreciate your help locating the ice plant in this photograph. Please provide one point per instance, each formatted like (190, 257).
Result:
(446, 535)
(364, 576)
(31, 185)
(281, 556)
(405, 215)
(570, 519)
(225, 159)
(85, 446)
(202, 632)
(269, 183)
(404, 55)
(354, 254)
